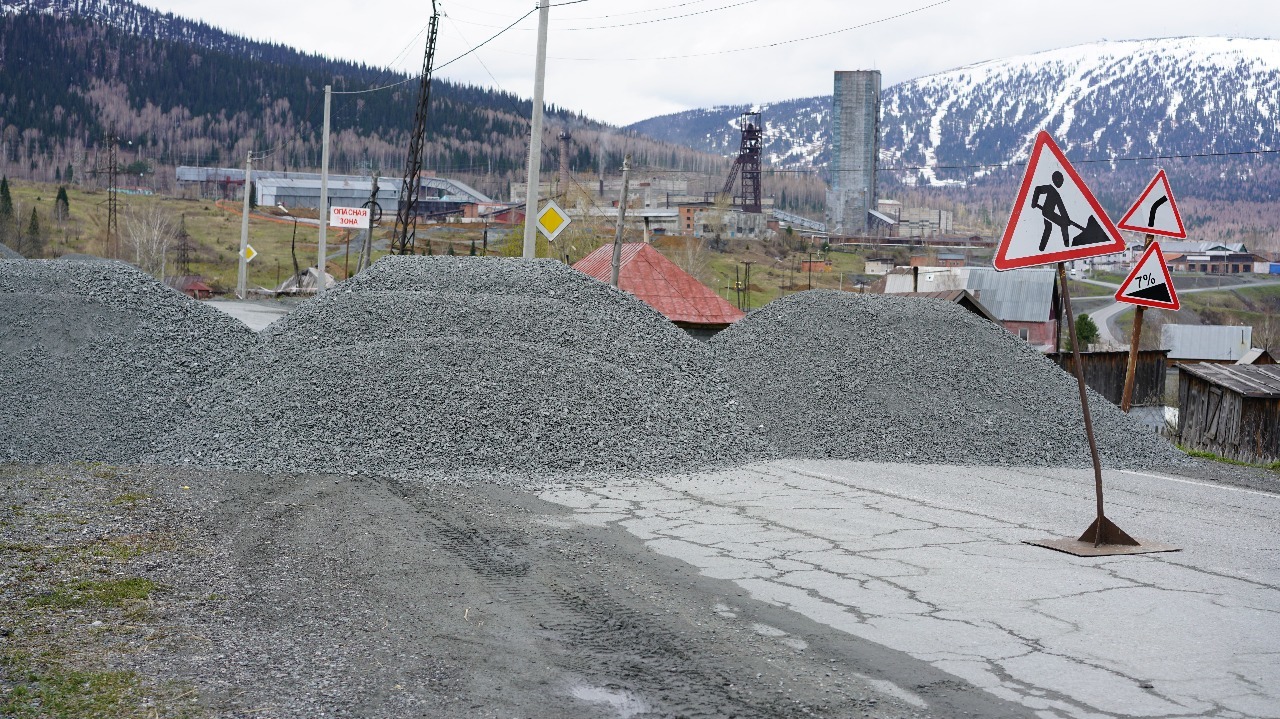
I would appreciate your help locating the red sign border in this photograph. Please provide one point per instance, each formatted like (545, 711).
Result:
(1001, 264)
(1164, 267)
(1177, 214)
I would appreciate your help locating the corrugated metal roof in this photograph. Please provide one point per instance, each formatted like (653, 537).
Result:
(1023, 296)
(1188, 247)
(660, 283)
(1261, 381)
(1257, 355)
(1224, 343)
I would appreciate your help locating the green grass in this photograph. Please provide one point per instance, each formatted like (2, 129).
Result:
(85, 593)
(129, 498)
(1273, 466)
(45, 689)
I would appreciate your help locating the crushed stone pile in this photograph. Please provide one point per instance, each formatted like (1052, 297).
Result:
(98, 359)
(8, 253)
(894, 379)
(462, 367)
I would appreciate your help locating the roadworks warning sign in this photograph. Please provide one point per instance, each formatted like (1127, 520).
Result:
(1055, 218)
(1149, 285)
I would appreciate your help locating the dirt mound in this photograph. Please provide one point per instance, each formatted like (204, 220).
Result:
(469, 366)
(882, 378)
(98, 359)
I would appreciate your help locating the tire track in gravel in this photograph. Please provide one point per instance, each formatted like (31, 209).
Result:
(352, 597)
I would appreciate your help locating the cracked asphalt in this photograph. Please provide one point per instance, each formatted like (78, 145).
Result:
(931, 561)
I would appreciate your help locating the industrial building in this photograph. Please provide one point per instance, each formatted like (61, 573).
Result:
(302, 189)
(855, 137)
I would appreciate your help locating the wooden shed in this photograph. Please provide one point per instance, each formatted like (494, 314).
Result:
(1104, 373)
(1230, 410)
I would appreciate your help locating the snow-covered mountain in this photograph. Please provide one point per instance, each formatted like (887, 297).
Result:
(1105, 100)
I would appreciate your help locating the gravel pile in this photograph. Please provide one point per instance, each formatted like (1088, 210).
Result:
(467, 366)
(8, 253)
(882, 378)
(98, 359)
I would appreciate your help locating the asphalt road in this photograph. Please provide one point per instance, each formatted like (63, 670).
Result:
(930, 561)
(1105, 316)
(257, 314)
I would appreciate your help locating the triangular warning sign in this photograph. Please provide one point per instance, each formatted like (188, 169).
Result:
(1155, 212)
(1149, 284)
(1055, 218)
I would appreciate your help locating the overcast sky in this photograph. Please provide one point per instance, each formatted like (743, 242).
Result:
(619, 61)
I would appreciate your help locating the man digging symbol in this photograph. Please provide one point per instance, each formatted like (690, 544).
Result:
(1054, 211)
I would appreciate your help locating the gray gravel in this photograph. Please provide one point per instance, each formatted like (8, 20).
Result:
(8, 253)
(469, 366)
(98, 359)
(882, 378)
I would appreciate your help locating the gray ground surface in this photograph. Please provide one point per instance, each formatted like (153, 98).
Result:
(307, 596)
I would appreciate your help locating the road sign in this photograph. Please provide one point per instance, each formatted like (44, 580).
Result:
(349, 217)
(1055, 218)
(249, 253)
(1149, 284)
(1155, 212)
(552, 220)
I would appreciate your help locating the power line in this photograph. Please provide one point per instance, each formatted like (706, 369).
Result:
(662, 19)
(779, 43)
(1007, 165)
(638, 22)
(441, 67)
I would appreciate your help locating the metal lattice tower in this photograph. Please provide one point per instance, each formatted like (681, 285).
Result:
(112, 170)
(749, 158)
(747, 166)
(406, 228)
(184, 249)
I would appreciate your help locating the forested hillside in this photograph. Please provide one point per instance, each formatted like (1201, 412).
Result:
(178, 92)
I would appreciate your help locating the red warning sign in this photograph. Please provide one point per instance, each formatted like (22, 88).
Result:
(1149, 284)
(1155, 212)
(1055, 218)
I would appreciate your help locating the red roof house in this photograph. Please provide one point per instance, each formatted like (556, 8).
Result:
(661, 284)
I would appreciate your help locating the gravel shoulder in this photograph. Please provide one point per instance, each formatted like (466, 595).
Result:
(304, 596)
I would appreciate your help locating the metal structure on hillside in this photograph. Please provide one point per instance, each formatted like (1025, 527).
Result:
(403, 238)
(746, 166)
(112, 171)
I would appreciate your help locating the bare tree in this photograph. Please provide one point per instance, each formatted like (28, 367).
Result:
(148, 231)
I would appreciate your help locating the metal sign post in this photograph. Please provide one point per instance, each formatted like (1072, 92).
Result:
(1126, 399)
(1056, 219)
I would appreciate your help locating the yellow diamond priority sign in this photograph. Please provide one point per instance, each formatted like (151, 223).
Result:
(552, 220)
(249, 253)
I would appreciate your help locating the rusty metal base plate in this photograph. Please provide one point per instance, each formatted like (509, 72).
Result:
(1086, 549)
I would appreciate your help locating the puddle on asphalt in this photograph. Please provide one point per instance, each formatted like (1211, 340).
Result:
(622, 702)
(889, 687)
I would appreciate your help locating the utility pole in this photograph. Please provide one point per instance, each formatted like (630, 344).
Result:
(535, 134)
(622, 218)
(324, 191)
(244, 226)
(366, 249)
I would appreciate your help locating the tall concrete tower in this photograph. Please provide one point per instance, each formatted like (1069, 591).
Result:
(855, 134)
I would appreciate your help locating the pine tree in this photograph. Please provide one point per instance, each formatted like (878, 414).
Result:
(61, 205)
(1086, 331)
(33, 246)
(68, 176)
(6, 201)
